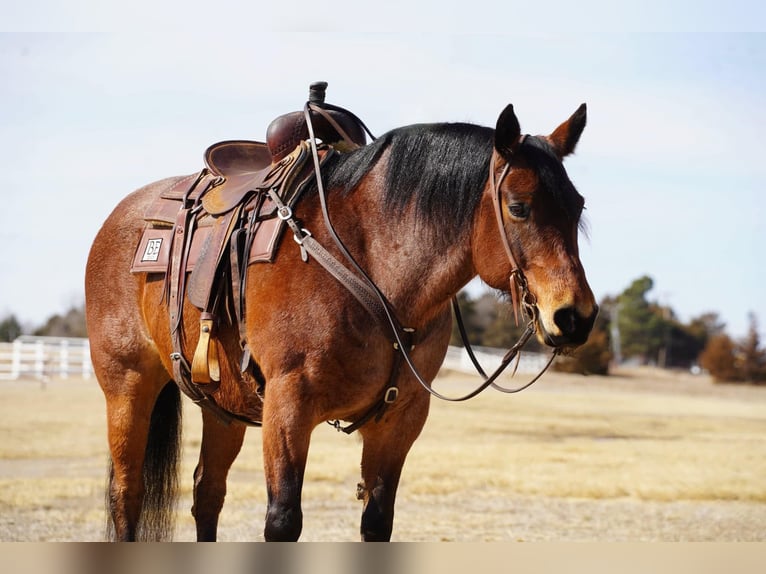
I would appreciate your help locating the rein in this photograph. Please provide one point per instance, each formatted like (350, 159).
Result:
(367, 292)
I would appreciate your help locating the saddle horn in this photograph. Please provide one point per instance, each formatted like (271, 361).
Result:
(288, 130)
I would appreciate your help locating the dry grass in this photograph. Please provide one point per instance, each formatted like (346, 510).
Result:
(637, 457)
(597, 443)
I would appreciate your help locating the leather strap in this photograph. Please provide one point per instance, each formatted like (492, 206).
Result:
(347, 140)
(378, 409)
(497, 201)
(236, 254)
(178, 257)
(175, 285)
(362, 276)
(203, 280)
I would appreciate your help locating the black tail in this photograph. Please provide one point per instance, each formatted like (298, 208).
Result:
(161, 465)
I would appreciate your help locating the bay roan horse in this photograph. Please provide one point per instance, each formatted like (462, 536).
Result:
(416, 210)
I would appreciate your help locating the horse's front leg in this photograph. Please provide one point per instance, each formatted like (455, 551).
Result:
(386, 444)
(220, 446)
(287, 426)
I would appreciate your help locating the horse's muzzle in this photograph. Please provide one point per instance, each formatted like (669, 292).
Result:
(574, 328)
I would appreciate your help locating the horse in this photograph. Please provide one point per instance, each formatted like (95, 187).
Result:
(422, 210)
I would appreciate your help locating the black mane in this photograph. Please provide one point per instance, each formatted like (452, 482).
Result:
(443, 166)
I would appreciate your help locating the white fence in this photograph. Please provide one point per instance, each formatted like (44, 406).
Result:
(458, 360)
(45, 357)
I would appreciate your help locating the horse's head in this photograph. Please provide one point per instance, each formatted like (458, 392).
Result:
(528, 227)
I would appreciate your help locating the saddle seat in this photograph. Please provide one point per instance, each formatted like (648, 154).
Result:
(243, 167)
(234, 158)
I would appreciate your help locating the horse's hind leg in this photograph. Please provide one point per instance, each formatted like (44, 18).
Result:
(386, 445)
(130, 405)
(220, 446)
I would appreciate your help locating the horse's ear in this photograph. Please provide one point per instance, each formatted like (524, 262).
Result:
(507, 132)
(565, 137)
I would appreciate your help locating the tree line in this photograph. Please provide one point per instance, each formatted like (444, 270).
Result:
(630, 328)
(69, 324)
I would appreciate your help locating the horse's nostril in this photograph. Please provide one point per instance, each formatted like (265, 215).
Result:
(574, 327)
(566, 319)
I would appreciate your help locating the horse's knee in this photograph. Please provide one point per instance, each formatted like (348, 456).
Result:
(283, 523)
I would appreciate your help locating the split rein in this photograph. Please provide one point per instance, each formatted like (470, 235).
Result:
(368, 293)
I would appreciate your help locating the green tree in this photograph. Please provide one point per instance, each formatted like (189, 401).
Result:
(71, 324)
(705, 326)
(685, 342)
(643, 328)
(9, 328)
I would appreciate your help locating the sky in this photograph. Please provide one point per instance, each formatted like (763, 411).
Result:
(670, 163)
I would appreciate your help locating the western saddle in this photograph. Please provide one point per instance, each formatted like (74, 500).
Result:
(203, 230)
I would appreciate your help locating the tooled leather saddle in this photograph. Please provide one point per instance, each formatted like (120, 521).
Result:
(204, 230)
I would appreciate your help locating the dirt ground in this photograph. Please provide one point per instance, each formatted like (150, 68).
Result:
(642, 456)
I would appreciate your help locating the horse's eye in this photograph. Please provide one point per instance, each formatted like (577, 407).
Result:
(519, 210)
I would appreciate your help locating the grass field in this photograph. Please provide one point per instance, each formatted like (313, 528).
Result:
(643, 456)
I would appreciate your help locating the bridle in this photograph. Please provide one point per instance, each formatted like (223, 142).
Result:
(367, 292)
(523, 300)
(520, 294)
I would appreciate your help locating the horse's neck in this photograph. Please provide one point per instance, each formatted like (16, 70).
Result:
(415, 267)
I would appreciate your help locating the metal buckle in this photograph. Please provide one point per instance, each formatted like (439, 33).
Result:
(300, 240)
(284, 213)
(391, 394)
